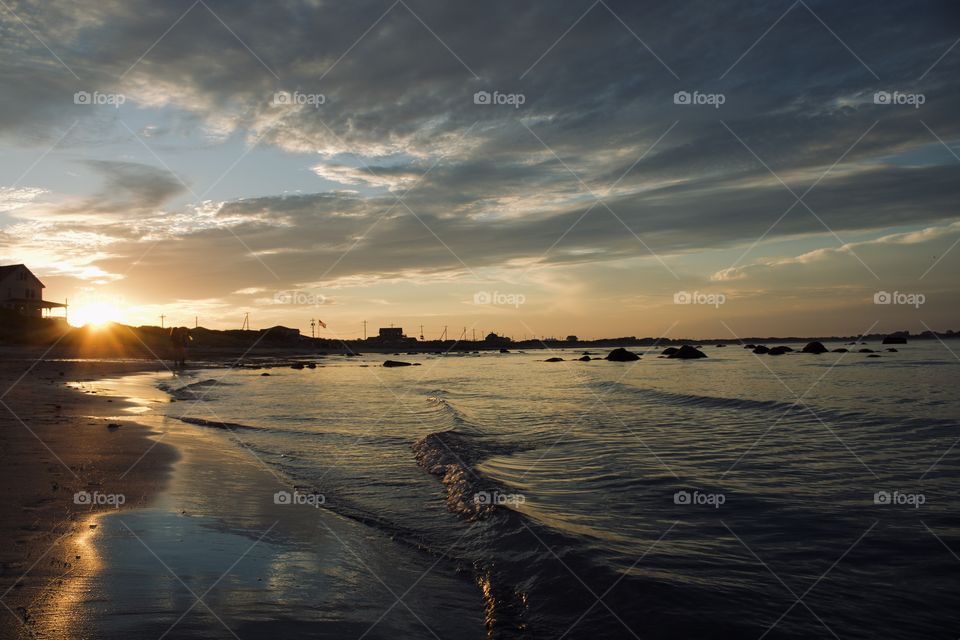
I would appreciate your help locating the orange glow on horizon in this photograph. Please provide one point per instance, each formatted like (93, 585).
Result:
(95, 314)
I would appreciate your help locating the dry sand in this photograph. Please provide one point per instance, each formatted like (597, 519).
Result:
(51, 447)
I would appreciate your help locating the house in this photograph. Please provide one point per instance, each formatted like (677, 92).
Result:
(21, 291)
(391, 333)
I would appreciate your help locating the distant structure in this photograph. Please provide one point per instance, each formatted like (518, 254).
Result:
(573, 339)
(21, 291)
(493, 338)
(392, 336)
(391, 333)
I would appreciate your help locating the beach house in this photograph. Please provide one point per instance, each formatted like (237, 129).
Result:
(21, 291)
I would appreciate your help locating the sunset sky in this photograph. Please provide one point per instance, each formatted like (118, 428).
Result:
(334, 160)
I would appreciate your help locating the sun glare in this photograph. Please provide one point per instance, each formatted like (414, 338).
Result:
(96, 314)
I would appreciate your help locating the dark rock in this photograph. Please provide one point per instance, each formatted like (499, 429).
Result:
(761, 349)
(297, 365)
(749, 346)
(686, 352)
(720, 345)
(311, 365)
(669, 351)
(554, 360)
(874, 355)
(778, 351)
(866, 350)
(841, 350)
(892, 350)
(264, 374)
(814, 347)
(584, 358)
(622, 355)
(397, 363)
(504, 350)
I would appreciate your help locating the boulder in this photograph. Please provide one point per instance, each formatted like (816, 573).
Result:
(749, 346)
(669, 351)
(504, 350)
(720, 345)
(841, 350)
(814, 347)
(622, 355)
(866, 350)
(297, 365)
(892, 350)
(779, 351)
(398, 363)
(686, 352)
(554, 360)
(761, 349)
(874, 355)
(584, 358)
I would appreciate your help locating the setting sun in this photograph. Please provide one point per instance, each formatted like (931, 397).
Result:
(95, 314)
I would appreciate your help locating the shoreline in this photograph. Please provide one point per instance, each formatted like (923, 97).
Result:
(56, 443)
(203, 514)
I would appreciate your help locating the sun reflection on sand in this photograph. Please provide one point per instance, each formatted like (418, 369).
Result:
(63, 596)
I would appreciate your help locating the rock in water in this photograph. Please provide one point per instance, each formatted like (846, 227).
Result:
(841, 350)
(554, 360)
(761, 349)
(669, 351)
(584, 358)
(622, 355)
(686, 352)
(398, 363)
(777, 351)
(814, 347)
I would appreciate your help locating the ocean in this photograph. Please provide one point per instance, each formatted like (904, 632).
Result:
(737, 496)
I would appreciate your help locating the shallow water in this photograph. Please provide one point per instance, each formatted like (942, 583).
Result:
(727, 497)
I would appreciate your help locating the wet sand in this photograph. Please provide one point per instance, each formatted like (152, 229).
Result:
(55, 442)
(200, 549)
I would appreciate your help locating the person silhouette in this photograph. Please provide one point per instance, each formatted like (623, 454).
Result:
(180, 339)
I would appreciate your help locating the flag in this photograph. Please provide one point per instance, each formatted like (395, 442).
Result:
(322, 323)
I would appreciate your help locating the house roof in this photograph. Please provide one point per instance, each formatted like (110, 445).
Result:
(6, 270)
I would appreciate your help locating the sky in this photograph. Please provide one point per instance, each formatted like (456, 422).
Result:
(597, 168)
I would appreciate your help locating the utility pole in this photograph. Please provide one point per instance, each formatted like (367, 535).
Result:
(196, 322)
(421, 333)
(246, 322)
(443, 336)
(474, 335)
(364, 329)
(313, 323)
(161, 320)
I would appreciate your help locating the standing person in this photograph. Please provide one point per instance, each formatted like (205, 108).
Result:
(180, 339)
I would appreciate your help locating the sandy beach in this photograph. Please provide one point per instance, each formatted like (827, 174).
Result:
(55, 442)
